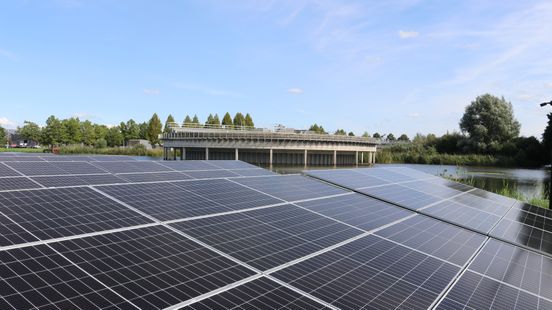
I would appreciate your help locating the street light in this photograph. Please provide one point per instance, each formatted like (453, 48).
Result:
(550, 181)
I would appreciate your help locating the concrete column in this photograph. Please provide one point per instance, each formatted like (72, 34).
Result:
(335, 158)
(270, 157)
(206, 153)
(182, 153)
(174, 153)
(305, 159)
(356, 158)
(362, 157)
(164, 153)
(373, 157)
(370, 158)
(236, 157)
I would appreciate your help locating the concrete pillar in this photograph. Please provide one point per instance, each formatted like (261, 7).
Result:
(206, 153)
(174, 153)
(356, 158)
(164, 153)
(362, 157)
(236, 156)
(182, 153)
(370, 158)
(305, 158)
(270, 157)
(373, 157)
(335, 158)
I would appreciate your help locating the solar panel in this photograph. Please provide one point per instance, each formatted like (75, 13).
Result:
(154, 176)
(357, 210)
(253, 172)
(78, 180)
(347, 177)
(188, 165)
(39, 278)
(401, 195)
(373, 273)
(267, 238)
(261, 293)
(36, 168)
(55, 213)
(450, 243)
(527, 225)
(6, 171)
(20, 158)
(208, 174)
(436, 190)
(54, 158)
(111, 158)
(131, 166)
(503, 276)
(15, 183)
(390, 175)
(231, 164)
(290, 187)
(11, 233)
(152, 267)
(77, 167)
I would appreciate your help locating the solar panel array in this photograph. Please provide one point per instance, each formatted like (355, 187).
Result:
(117, 233)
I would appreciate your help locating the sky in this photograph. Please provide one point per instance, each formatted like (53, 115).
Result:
(402, 66)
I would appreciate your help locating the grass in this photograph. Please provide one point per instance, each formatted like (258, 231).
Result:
(392, 156)
(22, 150)
(507, 190)
(132, 151)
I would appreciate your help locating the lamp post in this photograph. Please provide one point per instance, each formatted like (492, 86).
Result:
(550, 181)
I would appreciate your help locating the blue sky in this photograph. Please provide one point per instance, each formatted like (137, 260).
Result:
(388, 66)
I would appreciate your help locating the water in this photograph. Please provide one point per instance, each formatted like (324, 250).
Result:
(529, 182)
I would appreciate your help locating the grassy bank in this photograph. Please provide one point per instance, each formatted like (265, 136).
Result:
(21, 150)
(388, 156)
(133, 151)
(507, 190)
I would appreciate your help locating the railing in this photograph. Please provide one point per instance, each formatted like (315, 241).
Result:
(249, 133)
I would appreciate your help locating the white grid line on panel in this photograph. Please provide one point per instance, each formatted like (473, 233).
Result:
(293, 288)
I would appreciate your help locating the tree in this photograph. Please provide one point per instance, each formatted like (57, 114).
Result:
(143, 130)
(114, 137)
(30, 131)
(351, 134)
(403, 138)
(340, 132)
(489, 120)
(187, 121)
(53, 133)
(419, 139)
(195, 121)
(154, 130)
(216, 120)
(100, 131)
(227, 120)
(129, 130)
(3, 137)
(209, 120)
(168, 124)
(366, 134)
(547, 135)
(239, 120)
(88, 136)
(72, 134)
(391, 137)
(317, 129)
(376, 135)
(249, 121)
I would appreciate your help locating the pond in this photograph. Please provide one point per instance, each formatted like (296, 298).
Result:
(529, 182)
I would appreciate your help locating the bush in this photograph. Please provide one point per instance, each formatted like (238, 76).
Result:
(100, 144)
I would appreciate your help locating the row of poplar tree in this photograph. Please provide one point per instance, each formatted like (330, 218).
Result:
(72, 131)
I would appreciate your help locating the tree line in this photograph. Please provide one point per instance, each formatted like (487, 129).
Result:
(315, 128)
(73, 131)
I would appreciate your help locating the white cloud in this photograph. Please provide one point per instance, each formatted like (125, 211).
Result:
(295, 91)
(408, 34)
(152, 91)
(414, 115)
(7, 123)
(548, 85)
(84, 115)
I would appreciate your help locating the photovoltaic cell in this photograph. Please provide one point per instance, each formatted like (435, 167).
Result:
(389, 175)
(15, 183)
(164, 201)
(401, 195)
(11, 233)
(208, 174)
(450, 243)
(39, 278)
(231, 164)
(5, 171)
(260, 293)
(436, 190)
(78, 180)
(188, 165)
(131, 166)
(290, 187)
(464, 216)
(54, 158)
(152, 267)
(253, 172)
(154, 176)
(357, 210)
(347, 177)
(19, 158)
(372, 273)
(55, 213)
(36, 168)
(270, 237)
(77, 167)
